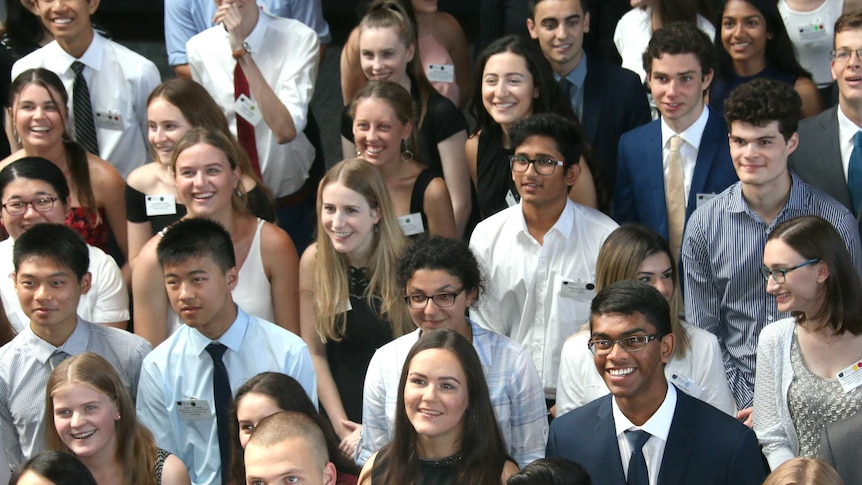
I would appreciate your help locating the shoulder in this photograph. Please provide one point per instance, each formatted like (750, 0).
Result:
(174, 471)
(142, 177)
(701, 340)
(102, 172)
(776, 332)
(119, 339)
(592, 218)
(616, 76)
(273, 238)
(582, 418)
(634, 135)
(442, 23)
(210, 36)
(509, 468)
(291, 27)
(827, 118)
(131, 59)
(267, 334)
(489, 228)
(709, 423)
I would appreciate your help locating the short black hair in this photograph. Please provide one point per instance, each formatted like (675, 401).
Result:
(197, 237)
(681, 38)
(57, 242)
(551, 471)
(441, 253)
(568, 134)
(629, 297)
(585, 7)
(56, 466)
(762, 101)
(36, 168)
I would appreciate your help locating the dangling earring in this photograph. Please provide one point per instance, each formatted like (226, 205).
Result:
(358, 153)
(406, 155)
(376, 229)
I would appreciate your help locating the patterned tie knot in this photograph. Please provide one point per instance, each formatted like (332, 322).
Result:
(676, 142)
(78, 67)
(56, 357)
(216, 350)
(637, 439)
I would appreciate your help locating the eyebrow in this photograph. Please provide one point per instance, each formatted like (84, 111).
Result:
(447, 286)
(441, 378)
(625, 334)
(669, 268)
(190, 273)
(683, 73)
(575, 16)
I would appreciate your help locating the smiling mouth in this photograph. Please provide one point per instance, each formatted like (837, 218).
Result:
(373, 150)
(621, 372)
(204, 195)
(40, 129)
(62, 21)
(430, 413)
(83, 436)
(342, 235)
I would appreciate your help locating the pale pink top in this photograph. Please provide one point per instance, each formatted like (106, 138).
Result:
(431, 51)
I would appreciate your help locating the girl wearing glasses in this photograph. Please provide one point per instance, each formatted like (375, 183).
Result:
(441, 279)
(512, 80)
(634, 252)
(349, 301)
(804, 377)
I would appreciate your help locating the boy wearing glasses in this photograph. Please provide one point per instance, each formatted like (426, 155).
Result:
(540, 254)
(646, 431)
(722, 249)
(668, 168)
(827, 142)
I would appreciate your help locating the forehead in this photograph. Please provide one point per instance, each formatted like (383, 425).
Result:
(374, 107)
(850, 38)
(164, 108)
(79, 391)
(748, 131)
(380, 38)
(202, 154)
(339, 194)
(289, 456)
(437, 362)
(433, 279)
(38, 91)
(539, 145)
(25, 186)
(557, 9)
(203, 262)
(506, 63)
(740, 8)
(676, 63)
(614, 324)
(42, 265)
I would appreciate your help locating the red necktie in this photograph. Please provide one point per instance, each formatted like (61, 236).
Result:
(244, 129)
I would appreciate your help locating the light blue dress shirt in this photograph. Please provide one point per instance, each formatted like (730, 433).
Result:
(180, 370)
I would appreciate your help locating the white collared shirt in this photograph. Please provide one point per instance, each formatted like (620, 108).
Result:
(286, 52)
(847, 130)
(658, 425)
(688, 151)
(539, 294)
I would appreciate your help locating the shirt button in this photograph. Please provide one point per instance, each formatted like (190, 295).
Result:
(769, 317)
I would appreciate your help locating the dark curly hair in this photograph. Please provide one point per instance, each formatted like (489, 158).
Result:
(450, 255)
(680, 38)
(762, 101)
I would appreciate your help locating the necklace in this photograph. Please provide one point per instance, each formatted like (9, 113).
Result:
(443, 462)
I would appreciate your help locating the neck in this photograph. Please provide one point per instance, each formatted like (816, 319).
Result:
(436, 448)
(221, 322)
(540, 219)
(749, 67)
(853, 111)
(55, 153)
(638, 409)
(680, 125)
(76, 47)
(391, 170)
(360, 257)
(564, 70)
(250, 21)
(767, 200)
(103, 466)
(55, 335)
(405, 81)
(466, 330)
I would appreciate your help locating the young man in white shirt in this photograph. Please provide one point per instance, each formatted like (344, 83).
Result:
(540, 255)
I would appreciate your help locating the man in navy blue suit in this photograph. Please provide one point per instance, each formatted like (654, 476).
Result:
(608, 99)
(646, 432)
(659, 184)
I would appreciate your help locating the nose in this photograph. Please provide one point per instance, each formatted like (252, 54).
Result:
(185, 292)
(771, 285)
(500, 89)
(430, 392)
(430, 307)
(617, 352)
(30, 212)
(41, 292)
(561, 32)
(672, 88)
(531, 167)
(199, 178)
(158, 134)
(737, 29)
(76, 420)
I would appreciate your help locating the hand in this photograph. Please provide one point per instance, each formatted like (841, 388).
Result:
(229, 16)
(350, 442)
(746, 416)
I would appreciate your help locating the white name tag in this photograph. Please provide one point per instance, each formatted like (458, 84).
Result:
(248, 109)
(511, 199)
(411, 224)
(441, 73)
(194, 409)
(110, 120)
(161, 205)
(687, 385)
(704, 198)
(809, 34)
(850, 377)
(576, 288)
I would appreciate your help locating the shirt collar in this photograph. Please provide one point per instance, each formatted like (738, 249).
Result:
(692, 135)
(657, 425)
(846, 128)
(256, 37)
(74, 345)
(232, 337)
(578, 74)
(563, 225)
(92, 57)
(795, 201)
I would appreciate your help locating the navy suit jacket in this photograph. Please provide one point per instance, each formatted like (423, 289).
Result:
(640, 191)
(614, 102)
(704, 445)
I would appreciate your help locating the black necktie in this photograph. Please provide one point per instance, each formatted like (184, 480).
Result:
(854, 172)
(222, 397)
(637, 473)
(566, 86)
(85, 127)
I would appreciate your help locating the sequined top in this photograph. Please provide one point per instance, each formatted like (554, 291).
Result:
(816, 401)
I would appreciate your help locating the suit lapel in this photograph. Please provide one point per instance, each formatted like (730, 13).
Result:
(831, 154)
(653, 174)
(675, 461)
(594, 93)
(606, 437)
(709, 144)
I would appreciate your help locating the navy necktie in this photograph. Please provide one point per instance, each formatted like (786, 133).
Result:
(854, 172)
(82, 108)
(56, 357)
(222, 397)
(637, 472)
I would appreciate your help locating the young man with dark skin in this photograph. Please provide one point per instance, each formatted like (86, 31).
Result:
(646, 431)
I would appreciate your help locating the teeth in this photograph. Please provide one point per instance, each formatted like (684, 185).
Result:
(342, 235)
(204, 195)
(62, 21)
(504, 105)
(621, 372)
(430, 412)
(41, 129)
(373, 150)
(81, 436)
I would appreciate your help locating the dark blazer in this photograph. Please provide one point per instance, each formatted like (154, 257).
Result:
(704, 445)
(817, 159)
(839, 447)
(640, 192)
(614, 102)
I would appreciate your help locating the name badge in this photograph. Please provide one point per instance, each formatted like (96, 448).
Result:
(812, 33)
(411, 224)
(247, 109)
(441, 73)
(576, 288)
(850, 377)
(687, 385)
(194, 409)
(704, 198)
(110, 120)
(510, 198)
(161, 205)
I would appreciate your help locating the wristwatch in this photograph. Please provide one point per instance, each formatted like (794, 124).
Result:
(245, 49)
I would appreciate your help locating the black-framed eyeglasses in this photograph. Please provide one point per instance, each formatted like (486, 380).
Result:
(780, 274)
(844, 55)
(542, 166)
(635, 343)
(444, 299)
(18, 207)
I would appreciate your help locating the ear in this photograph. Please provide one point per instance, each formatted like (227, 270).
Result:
(573, 172)
(792, 143)
(232, 276)
(411, 50)
(707, 79)
(94, 5)
(531, 27)
(822, 272)
(472, 295)
(668, 343)
(586, 22)
(86, 281)
(376, 215)
(329, 474)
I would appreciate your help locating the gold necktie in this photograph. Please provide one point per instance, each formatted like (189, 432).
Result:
(675, 196)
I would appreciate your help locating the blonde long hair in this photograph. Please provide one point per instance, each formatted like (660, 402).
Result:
(136, 447)
(331, 287)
